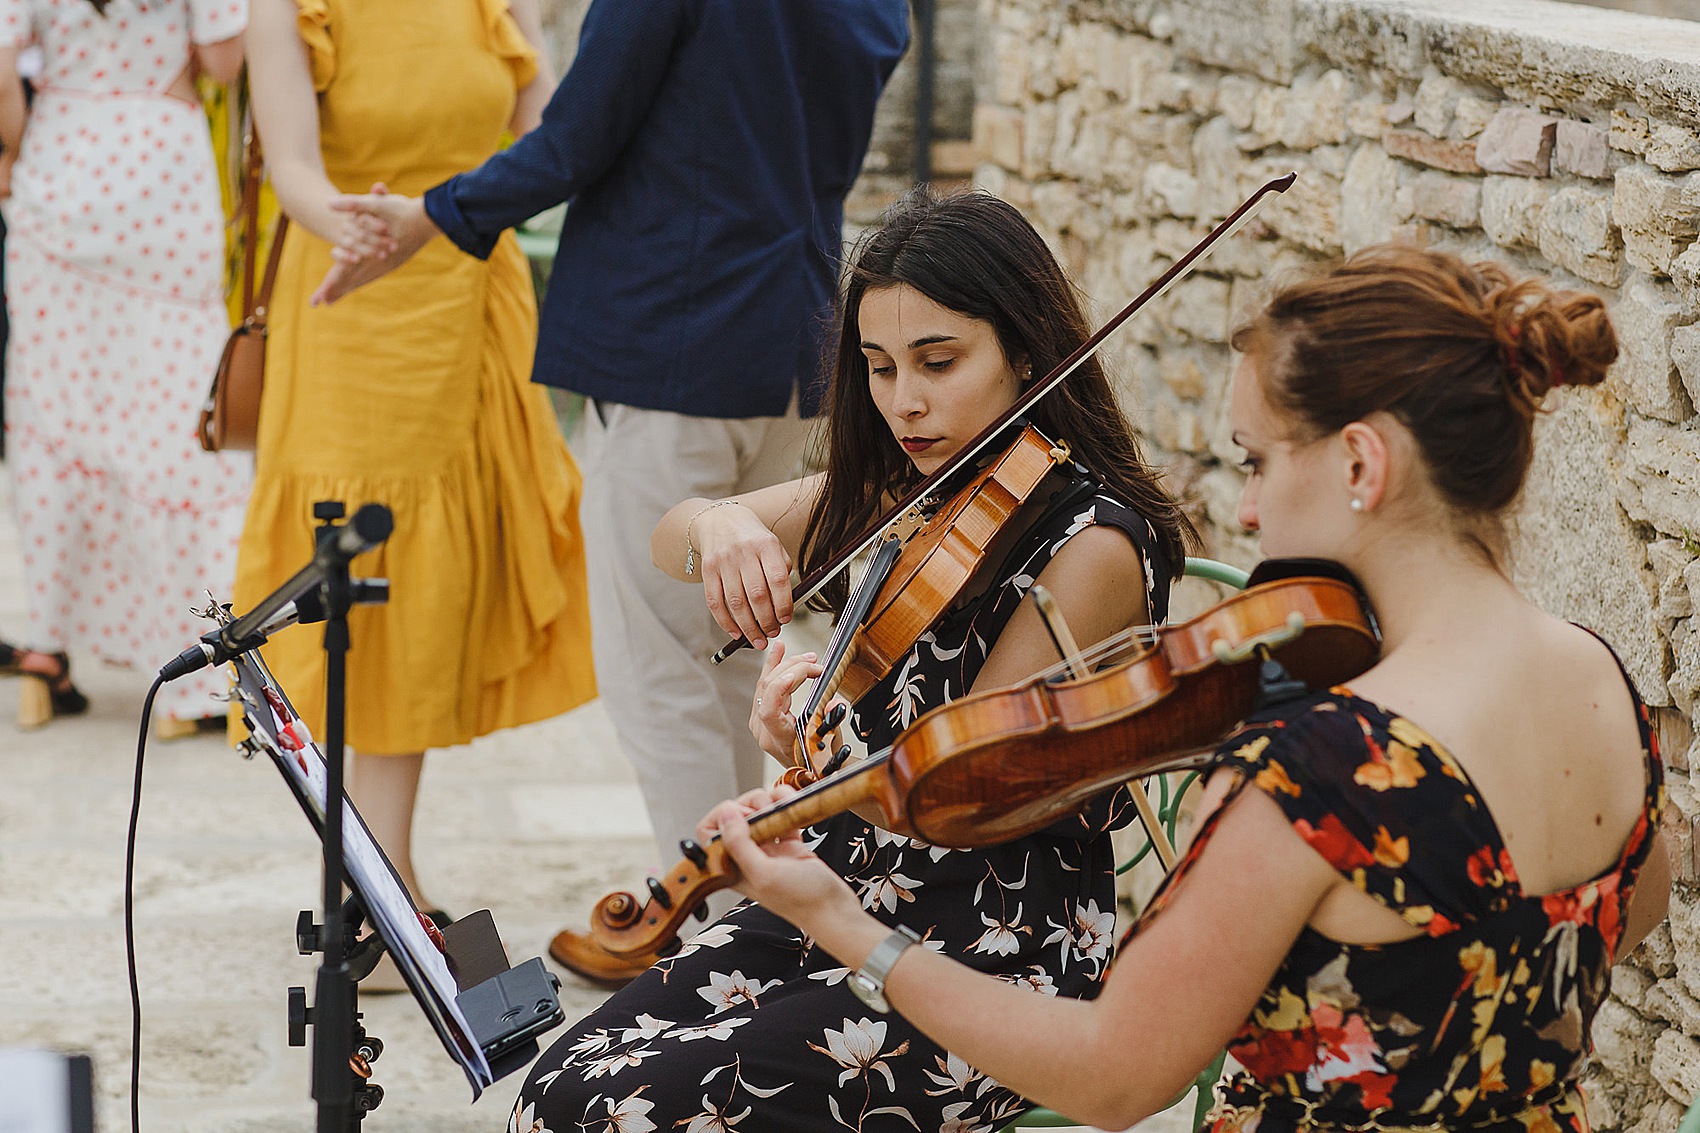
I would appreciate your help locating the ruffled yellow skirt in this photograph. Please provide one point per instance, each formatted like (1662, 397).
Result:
(415, 392)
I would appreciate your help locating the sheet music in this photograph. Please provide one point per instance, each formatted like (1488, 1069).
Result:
(370, 874)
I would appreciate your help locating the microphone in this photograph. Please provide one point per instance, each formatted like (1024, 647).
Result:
(298, 600)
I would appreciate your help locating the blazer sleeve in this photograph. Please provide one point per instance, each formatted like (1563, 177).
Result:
(623, 55)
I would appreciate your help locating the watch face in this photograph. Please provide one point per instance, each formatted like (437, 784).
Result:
(869, 992)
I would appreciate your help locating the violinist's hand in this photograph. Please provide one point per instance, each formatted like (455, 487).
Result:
(746, 572)
(783, 875)
(771, 721)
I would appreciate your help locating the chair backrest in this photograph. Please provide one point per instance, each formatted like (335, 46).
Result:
(1168, 814)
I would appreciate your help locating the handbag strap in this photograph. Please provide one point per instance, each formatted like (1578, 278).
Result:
(253, 167)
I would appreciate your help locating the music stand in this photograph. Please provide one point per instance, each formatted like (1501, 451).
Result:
(486, 1014)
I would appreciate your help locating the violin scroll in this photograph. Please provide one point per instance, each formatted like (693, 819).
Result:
(797, 778)
(629, 927)
(618, 910)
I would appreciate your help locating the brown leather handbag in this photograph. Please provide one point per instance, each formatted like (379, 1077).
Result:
(230, 417)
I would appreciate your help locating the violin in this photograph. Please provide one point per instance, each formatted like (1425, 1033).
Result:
(994, 766)
(922, 580)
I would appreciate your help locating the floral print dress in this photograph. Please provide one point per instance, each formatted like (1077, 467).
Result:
(750, 1026)
(1479, 1024)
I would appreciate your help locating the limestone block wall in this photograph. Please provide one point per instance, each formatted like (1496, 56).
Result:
(1563, 139)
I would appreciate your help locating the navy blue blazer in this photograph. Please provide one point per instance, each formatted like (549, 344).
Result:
(706, 147)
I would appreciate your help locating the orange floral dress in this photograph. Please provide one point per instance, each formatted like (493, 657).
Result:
(1479, 1024)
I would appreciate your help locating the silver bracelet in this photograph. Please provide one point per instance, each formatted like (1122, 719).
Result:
(690, 547)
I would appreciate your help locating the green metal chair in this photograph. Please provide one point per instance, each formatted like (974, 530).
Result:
(1167, 805)
(1691, 1122)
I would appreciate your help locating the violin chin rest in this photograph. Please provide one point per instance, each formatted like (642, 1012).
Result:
(1274, 570)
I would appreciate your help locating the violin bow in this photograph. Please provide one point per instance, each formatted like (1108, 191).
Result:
(829, 570)
(1063, 637)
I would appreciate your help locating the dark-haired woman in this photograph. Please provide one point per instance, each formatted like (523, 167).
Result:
(951, 307)
(1401, 908)
(115, 283)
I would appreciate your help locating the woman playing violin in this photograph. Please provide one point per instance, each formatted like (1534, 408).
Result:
(1401, 905)
(949, 308)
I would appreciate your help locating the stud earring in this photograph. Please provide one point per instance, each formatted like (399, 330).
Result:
(1357, 504)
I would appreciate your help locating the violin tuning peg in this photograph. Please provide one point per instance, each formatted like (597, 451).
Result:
(835, 717)
(694, 852)
(659, 892)
(700, 912)
(837, 760)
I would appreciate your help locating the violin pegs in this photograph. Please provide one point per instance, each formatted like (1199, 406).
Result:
(693, 852)
(659, 892)
(835, 717)
(837, 760)
(700, 912)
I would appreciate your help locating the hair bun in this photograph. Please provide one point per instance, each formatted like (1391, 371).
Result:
(1549, 337)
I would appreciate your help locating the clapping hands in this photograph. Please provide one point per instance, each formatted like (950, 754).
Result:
(380, 232)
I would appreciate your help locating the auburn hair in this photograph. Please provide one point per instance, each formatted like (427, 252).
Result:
(1461, 354)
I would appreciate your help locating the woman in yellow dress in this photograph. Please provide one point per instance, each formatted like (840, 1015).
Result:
(414, 393)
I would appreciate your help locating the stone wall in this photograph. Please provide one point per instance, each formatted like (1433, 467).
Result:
(1560, 138)
(1675, 9)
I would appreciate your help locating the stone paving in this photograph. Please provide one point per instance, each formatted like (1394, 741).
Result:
(534, 824)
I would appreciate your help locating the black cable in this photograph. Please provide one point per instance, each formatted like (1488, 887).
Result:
(130, 915)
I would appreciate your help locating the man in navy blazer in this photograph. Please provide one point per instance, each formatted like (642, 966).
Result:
(705, 148)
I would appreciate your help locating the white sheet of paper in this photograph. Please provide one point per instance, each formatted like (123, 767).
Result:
(35, 1091)
(389, 907)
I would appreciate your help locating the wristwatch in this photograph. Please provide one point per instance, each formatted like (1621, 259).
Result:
(868, 981)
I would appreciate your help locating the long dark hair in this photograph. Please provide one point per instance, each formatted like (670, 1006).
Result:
(979, 257)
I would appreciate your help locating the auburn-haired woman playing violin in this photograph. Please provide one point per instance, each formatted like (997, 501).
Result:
(951, 306)
(1400, 908)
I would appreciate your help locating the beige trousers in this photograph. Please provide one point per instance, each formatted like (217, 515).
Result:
(682, 722)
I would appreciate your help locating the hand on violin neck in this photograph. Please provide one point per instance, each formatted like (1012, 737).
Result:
(771, 721)
(783, 875)
(746, 571)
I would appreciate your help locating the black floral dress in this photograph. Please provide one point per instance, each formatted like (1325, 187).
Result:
(751, 1026)
(1479, 1024)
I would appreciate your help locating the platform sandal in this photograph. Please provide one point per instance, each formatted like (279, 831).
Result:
(47, 694)
(178, 727)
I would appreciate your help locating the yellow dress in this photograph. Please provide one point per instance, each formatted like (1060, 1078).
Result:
(415, 392)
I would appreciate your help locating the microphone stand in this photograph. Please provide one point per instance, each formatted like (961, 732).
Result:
(334, 1016)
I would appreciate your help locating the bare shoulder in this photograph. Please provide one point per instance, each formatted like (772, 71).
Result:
(1100, 548)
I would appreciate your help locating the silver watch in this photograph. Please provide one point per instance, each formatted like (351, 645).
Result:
(868, 981)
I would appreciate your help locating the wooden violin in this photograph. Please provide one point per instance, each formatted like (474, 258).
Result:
(994, 766)
(904, 594)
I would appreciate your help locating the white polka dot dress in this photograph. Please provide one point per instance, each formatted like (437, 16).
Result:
(114, 274)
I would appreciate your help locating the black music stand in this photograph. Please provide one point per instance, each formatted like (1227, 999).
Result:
(486, 1013)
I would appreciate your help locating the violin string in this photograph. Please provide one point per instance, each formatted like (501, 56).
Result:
(1092, 656)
